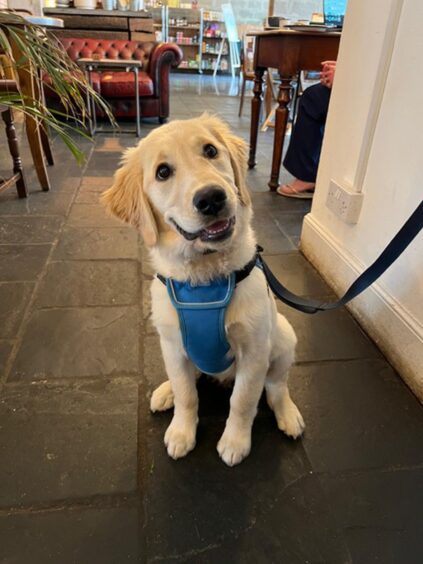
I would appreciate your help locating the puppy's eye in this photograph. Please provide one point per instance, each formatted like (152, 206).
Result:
(210, 151)
(163, 172)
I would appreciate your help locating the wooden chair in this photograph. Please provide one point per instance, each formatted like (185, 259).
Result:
(247, 66)
(18, 177)
(38, 140)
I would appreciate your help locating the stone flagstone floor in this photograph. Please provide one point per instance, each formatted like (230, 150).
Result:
(84, 476)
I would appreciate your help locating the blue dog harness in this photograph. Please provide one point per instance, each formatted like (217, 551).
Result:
(201, 311)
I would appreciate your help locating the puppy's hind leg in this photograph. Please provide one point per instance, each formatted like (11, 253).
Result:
(287, 414)
(162, 397)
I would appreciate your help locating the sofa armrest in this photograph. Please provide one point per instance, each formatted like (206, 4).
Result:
(163, 56)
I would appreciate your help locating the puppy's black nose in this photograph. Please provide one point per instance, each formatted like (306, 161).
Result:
(210, 201)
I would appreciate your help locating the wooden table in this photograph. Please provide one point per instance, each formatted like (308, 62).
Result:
(37, 135)
(289, 52)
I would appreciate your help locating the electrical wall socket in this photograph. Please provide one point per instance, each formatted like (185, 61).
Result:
(344, 203)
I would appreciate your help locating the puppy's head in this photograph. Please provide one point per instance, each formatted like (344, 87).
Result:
(184, 186)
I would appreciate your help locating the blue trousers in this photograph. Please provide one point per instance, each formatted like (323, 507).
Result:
(302, 157)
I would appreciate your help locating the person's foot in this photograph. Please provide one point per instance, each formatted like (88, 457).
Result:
(297, 189)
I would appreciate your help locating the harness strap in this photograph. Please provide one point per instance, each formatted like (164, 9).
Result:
(389, 255)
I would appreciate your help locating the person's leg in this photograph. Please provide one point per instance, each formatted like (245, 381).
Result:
(302, 157)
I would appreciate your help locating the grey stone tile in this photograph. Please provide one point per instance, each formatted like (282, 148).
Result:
(65, 182)
(38, 203)
(298, 275)
(87, 196)
(92, 189)
(83, 535)
(289, 223)
(255, 509)
(89, 215)
(103, 163)
(67, 441)
(5, 350)
(95, 183)
(29, 229)
(114, 144)
(90, 283)
(22, 262)
(380, 514)
(69, 343)
(269, 235)
(358, 415)
(14, 299)
(65, 176)
(330, 335)
(97, 243)
(276, 204)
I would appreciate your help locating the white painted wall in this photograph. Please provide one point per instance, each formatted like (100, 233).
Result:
(374, 144)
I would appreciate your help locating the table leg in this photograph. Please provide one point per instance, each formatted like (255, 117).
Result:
(255, 115)
(30, 91)
(45, 141)
(137, 100)
(44, 132)
(280, 128)
(88, 103)
(93, 123)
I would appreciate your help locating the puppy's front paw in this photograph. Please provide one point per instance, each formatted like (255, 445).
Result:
(179, 439)
(290, 420)
(162, 397)
(233, 447)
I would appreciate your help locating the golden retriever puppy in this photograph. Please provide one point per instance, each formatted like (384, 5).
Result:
(184, 188)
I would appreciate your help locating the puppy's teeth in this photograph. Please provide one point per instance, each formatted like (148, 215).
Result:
(222, 227)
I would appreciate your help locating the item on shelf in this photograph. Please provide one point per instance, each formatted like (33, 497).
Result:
(123, 5)
(136, 5)
(108, 4)
(49, 4)
(185, 28)
(85, 4)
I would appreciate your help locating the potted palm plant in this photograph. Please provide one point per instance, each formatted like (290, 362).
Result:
(42, 55)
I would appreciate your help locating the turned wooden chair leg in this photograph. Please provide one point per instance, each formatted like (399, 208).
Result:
(12, 141)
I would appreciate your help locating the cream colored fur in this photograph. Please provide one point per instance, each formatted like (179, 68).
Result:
(263, 341)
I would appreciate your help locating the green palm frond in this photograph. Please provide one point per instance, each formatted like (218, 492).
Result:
(47, 57)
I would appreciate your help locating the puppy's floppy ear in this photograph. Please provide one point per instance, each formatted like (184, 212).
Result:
(238, 153)
(126, 198)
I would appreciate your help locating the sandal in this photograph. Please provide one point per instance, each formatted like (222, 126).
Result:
(289, 192)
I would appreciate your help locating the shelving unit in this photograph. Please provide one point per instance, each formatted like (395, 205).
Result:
(198, 32)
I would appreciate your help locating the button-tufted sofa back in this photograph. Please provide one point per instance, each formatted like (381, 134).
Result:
(78, 48)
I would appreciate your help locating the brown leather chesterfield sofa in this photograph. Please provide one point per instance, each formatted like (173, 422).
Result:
(118, 87)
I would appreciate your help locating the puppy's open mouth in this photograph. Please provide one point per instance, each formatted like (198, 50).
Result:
(218, 231)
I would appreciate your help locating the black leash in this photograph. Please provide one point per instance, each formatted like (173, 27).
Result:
(399, 243)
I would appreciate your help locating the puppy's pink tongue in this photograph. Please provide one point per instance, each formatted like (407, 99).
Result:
(218, 227)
